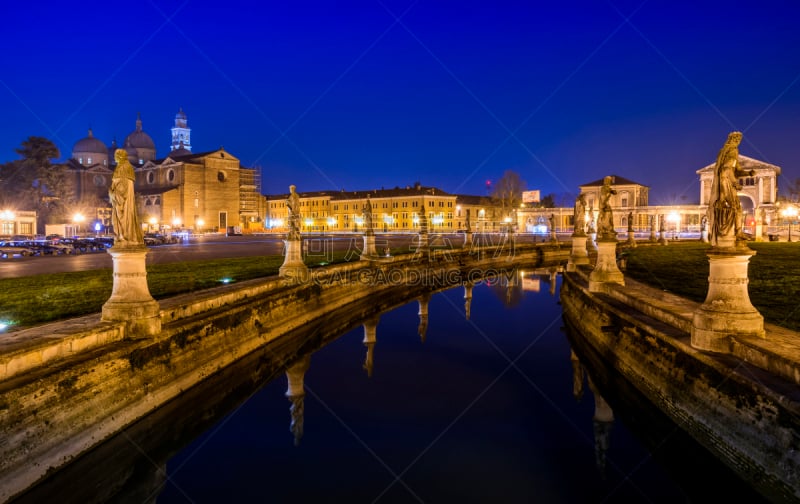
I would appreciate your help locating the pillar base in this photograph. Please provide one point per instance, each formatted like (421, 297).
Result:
(727, 310)
(293, 267)
(368, 252)
(605, 269)
(578, 256)
(130, 300)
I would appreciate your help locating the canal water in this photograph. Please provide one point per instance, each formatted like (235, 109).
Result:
(497, 407)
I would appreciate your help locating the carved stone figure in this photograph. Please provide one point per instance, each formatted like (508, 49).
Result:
(124, 215)
(293, 206)
(579, 215)
(704, 223)
(605, 219)
(630, 222)
(724, 207)
(368, 217)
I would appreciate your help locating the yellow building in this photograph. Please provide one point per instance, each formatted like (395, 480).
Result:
(393, 210)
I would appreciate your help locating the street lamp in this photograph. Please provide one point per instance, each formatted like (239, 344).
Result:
(7, 217)
(675, 219)
(789, 213)
(77, 219)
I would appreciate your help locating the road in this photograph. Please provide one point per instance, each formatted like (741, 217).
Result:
(205, 247)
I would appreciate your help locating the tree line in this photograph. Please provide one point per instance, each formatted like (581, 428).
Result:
(36, 182)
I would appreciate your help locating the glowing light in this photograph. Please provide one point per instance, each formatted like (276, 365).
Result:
(331, 221)
(673, 217)
(7, 215)
(226, 280)
(201, 223)
(176, 222)
(78, 218)
(5, 324)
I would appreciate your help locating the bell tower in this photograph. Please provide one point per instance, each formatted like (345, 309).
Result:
(181, 133)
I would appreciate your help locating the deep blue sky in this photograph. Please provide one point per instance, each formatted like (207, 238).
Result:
(359, 95)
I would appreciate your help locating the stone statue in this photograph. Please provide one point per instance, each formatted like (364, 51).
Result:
(552, 220)
(124, 214)
(293, 207)
(630, 222)
(724, 207)
(579, 216)
(467, 224)
(704, 223)
(605, 219)
(368, 217)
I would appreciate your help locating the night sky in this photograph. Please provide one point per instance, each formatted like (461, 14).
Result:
(380, 93)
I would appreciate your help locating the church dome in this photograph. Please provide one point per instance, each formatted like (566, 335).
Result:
(138, 139)
(89, 145)
(139, 145)
(90, 151)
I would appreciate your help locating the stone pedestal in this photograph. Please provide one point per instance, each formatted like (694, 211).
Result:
(759, 232)
(579, 255)
(293, 267)
(424, 244)
(727, 309)
(605, 269)
(662, 239)
(468, 239)
(369, 252)
(553, 236)
(631, 240)
(704, 236)
(130, 299)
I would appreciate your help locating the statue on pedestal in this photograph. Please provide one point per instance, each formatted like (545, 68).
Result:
(368, 218)
(124, 214)
(579, 216)
(605, 219)
(724, 207)
(293, 207)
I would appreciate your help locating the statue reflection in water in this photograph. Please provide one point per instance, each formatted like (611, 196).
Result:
(370, 332)
(296, 393)
(422, 329)
(603, 418)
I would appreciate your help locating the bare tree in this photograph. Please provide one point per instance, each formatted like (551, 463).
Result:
(507, 192)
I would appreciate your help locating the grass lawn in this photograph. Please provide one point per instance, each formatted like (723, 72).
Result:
(682, 268)
(33, 300)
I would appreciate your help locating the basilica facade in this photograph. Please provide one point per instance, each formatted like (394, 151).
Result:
(206, 191)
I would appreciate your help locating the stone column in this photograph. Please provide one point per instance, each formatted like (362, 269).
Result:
(424, 244)
(727, 309)
(370, 333)
(296, 393)
(130, 300)
(662, 237)
(605, 269)
(653, 219)
(293, 267)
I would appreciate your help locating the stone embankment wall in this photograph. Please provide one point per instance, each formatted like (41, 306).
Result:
(68, 386)
(748, 416)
